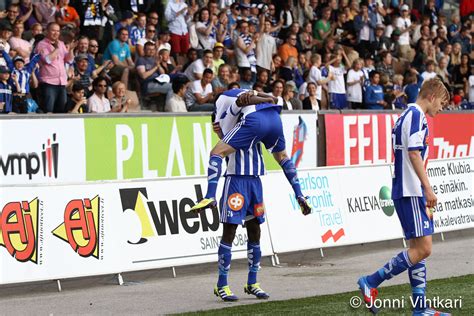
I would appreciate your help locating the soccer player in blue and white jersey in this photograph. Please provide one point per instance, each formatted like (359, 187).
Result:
(412, 196)
(258, 117)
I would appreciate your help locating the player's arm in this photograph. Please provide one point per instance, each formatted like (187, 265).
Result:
(417, 163)
(254, 97)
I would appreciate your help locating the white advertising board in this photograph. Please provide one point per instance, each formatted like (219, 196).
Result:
(36, 151)
(452, 181)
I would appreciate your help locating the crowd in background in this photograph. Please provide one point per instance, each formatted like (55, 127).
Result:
(80, 56)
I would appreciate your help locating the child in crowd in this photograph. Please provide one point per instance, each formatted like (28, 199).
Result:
(336, 87)
(374, 98)
(6, 89)
(77, 101)
(398, 93)
(355, 80)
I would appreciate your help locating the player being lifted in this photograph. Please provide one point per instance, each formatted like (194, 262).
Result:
(258, 117)
(412, 196)
(242, 200)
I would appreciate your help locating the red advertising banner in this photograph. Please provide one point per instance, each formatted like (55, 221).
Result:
(361, 139)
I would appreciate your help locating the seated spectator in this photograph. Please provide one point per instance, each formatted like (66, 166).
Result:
(98, 102)
(374, 97)
(246, 79)
(80, 74)
(355, 82)
(286, 72)
(217, 60)
(66, 15)
(196, 69)
(442, 70)
(462, 72)
(311, 101)
(277, 88)
(83, 48)
(149, 69)
(5, 91)
(176, 103)
(262, 78)
(125, 23)
(199, 95)
(191, 56)
(430, 70)
(233, 85)
(77, 101)
(220, 83)
(163, 41)
(137, 31)
(119, 102)
(413, 85)
(291, 102)
(13, 13)
(384, 67)
(118, 52)
(94, 51)
(149, 37)
(471, 86)
(165, 62)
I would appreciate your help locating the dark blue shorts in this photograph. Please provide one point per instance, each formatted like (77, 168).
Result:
(261, 126)
(338, 101)
(414, 217)
(242, 200)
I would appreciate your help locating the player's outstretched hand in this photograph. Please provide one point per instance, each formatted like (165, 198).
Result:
(304, 205)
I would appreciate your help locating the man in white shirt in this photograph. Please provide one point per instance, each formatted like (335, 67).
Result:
(430, 71)
(98, 103)
(196, 69)
(199, 95)
(175, 103)
(405, 27)
(266, 47)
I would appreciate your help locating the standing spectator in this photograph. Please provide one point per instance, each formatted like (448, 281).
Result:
(374, 98)
(53, 78)
(413, 85)
(45, 12)
(125, 22)
(316, 76)
(206, 29)
(336, 86)
(5, 91)
(245, 49)
(217, 60)
(365, 24)
(5, 34)
(119, 102)
(66, 15)
(77, 101)
(380, 43)
(176, 14)
(355, 81)
(176, 103)
(322, 28)
(149, 69)
(199, 95)
(405, 26)
(81, 74)
(311, 101)
(98, 102)
(118, 52)
(266, 45)
(398, 93)
(17, 43)
(195, 70)
(288, 49)
(13, 12)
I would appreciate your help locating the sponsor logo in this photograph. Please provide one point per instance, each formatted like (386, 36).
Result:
(336, 236)
(299, 136)
(236, 202)
(259, 210)
(32, 163)
(83, 227)
(19, 223)
(166, 217)
(386, 202)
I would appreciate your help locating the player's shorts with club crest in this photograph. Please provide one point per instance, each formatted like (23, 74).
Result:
(261, 126)
(242, 200)
(416, 219)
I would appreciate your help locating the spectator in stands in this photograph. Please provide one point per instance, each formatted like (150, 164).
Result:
(365, 23)
(430, 70)
(277, 88)
(355, 82)
(311, 101)
(245, 49)
(138, 31)
(262, 78)
(384, 67)
(380, 43)
(291, 102)
(405, 26)
(45, 12)
(163, 40)
(195, 70)
(471, 87)
(336, 86)
(246, 81)
(286, 72)
(53, 78)
(398, 93)
(13, 12)
(149, 69)
(288, 49)
(206, 29)
(222, 80)
(322, 28)
(81, 74)
(153, 19)
(177, 14)
(150, 36)
(374, 97)
(165, 62)
(119, 102)
(464, 38)
(413, 85)
(5, 90)
(93, 51)
(118, 52)
(442, 70)
(18, 44)
(98, 102)
(5, 34)
(125, 23)
(83, 48)
(462, 72)
(217, 60)
(199, 96)
(176, 103)
(66, 15)
(77, 101)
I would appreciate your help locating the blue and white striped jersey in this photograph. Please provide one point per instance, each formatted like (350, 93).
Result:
(24, 74)
(242, 162)
(409, 133)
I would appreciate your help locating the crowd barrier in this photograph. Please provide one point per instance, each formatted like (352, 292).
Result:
(61, 230)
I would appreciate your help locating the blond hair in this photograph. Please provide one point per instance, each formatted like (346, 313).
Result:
(434, 87)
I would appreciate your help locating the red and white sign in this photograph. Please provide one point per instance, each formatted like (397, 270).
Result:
(362, 139)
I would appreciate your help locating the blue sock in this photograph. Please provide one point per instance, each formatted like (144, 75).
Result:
(417, 275)
(394, 267)
(214, 171)
(253, 255)
(225, 255)
(290, 172)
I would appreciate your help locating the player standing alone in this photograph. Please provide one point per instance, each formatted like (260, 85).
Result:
(412, 196)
